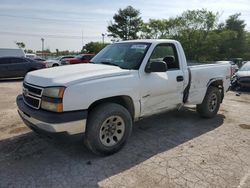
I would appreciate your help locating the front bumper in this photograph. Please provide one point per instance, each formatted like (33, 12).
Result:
(73, 122)
(245, 83)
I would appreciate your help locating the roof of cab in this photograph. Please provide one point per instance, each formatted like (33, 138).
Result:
(149, 41)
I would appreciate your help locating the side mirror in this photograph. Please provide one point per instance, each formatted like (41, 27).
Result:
(156, 66)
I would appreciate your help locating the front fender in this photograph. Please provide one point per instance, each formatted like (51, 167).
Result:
(80, 96)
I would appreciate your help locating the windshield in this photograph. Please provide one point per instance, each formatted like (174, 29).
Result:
(245, 67)
(78, 56)
(124, 55)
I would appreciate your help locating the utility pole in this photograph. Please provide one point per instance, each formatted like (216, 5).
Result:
(42, 39)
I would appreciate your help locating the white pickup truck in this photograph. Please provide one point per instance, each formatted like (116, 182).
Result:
(124, 82)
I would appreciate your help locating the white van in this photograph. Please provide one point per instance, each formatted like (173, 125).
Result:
(5, 52)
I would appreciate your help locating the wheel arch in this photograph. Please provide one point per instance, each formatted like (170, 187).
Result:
(124, 100)
(55, 64)
(217, 82)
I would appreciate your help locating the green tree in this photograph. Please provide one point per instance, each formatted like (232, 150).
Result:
(127, 24)
(246, 53)
(237, 44)
(154, 29)
(194, 28)
(191, 28)
(234, 23)
(93, 47)
(20, 44)
(57, 52)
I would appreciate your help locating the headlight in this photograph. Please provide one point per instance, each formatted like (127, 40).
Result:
(52, 99)
(54, 92)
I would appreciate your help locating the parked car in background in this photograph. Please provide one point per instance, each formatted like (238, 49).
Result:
(11, 67)
(39, 59)
(83, 58)
(6, 52)
(238, 61)
(31, 56)
(57, 61)
(242, 77)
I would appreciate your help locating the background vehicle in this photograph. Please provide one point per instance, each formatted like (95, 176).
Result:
(242, 77)
(124, 82)
(57, 61)
(83, 58)
(11, 67)
(31, 56)
(39, 59)
(238, 61)
(5, 52)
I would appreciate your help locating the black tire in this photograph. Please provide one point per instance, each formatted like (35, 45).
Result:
(210, 104)
(55, 65)
(99, 130)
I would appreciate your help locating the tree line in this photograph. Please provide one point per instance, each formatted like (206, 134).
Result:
(199, 31)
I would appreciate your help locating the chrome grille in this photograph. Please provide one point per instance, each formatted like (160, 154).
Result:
(32, 95)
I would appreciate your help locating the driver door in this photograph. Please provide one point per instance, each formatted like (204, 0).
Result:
(162, 91)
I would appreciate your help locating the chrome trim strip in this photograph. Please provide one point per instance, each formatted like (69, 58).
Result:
(36, 88)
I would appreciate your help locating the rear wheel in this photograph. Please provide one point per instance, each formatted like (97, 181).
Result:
(108, 128)
(55, 65)
(210, 104)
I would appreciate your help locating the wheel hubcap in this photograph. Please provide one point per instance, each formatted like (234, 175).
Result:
(112, 130)
(212, 102)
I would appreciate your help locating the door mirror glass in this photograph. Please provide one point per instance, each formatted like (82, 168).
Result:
(156, 66)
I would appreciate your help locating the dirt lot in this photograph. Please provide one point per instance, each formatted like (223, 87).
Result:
(176, 149)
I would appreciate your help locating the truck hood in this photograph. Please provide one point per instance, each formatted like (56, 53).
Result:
(71, 74)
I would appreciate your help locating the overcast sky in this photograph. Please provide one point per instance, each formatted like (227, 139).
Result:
(63, 23)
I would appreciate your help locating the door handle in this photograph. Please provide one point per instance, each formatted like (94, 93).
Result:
(179, 78)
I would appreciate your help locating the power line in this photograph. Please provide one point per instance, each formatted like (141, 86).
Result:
(50, 19)
(45, 35)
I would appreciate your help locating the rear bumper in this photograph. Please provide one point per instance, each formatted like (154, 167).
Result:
(66, 122)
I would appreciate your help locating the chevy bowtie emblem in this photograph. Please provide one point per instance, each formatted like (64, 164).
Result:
(25, 92)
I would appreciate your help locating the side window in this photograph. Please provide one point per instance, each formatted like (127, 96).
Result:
(167, 53)
(18, 60)
(4, 61)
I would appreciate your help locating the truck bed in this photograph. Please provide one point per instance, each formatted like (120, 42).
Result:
(201, 75)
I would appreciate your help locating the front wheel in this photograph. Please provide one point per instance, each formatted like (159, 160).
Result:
(210, 104)
(108, 128)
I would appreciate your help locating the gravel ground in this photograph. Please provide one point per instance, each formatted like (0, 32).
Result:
(175, 149)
